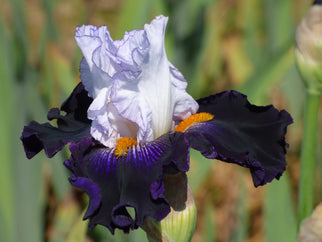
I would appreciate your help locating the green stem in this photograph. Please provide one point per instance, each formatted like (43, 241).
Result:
(308, 155)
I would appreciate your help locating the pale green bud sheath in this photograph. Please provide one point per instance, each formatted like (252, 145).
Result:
(179, 225)
(309, 61)
(309, 48)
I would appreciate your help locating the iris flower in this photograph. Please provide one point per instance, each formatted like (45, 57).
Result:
(130, 122)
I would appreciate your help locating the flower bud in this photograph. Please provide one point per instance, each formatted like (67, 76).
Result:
(309, 47)
(179, 225)
(311, 227)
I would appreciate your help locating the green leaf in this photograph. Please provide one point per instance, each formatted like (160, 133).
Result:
(28, 180)
(293, 89)
(280, 222)
(240, 232)
(133, 15)
(207, 64)
(50, 29)
(250, 20)
(7, 106)
(279, 28)
(209, 233)
(60, 68)
(188, 9)
(199, 169)
(102, 234)
(269, 72)
(20, 39)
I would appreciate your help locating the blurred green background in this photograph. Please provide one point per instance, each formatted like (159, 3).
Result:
(246, 45)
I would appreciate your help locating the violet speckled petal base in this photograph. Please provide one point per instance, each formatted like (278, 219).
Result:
(242, 133)
(135, 181)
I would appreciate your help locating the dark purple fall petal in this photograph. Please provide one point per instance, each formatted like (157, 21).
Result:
(241, 133)
(132, 181)
(72, 127)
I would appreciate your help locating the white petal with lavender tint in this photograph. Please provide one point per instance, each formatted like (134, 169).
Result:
(134, 86)
(92, 42)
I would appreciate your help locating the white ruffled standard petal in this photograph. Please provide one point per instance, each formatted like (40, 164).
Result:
(146, 99)
(92, 41)
(134, 86)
